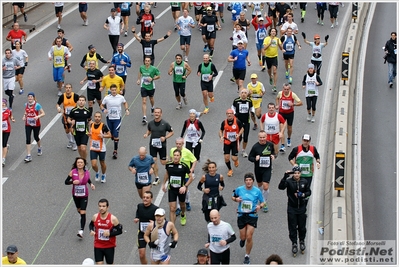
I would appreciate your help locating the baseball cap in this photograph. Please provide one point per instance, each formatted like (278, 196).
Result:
(192, 111)
(90, 47)
(88, 261)
(306, 137)
(261, 18)
(240, 42)
(316, 36)
(253, 75)
(160, 212)
(203, 252)
(12, 249)
(310, 66)
(113, 9)
(31, 93)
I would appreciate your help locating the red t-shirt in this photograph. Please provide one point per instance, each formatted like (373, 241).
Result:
(16, 36)
(6, 125)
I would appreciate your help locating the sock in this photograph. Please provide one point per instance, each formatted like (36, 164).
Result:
(228, 164)
(70, 137)
(82, 221)
(259, 57)
(211, 53)
(246, 255)
(264, 60)
(116, 142)
(188, 197)
(21, 88)
(265, 194)
(15, 18)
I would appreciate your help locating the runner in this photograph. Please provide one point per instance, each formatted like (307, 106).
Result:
(220, 235)
(111, 105)
(121, 61)
(144, 216)
(257, 9)
(59, 6)
(114, 25)
(191, 161)
(303, 155)
(175, 8)
(390, 49)
(208, 24)
(146, 19)
(21, 6)
(68, 100)
(79, 177)
(83, 6)
(16, 34)
(289, 24)
(321, 7)
(177, 186)
(289, 41)
(65, 42)
(33, 113)
(256, 90)
(148, 45)
(207, 71)
(22, 57)
(250, 201)
(260, 35)
(94, 76)
(146, 76)
(286, 100)
(10, 66)
(104, 227)
(270, 51)
(180, 71)
(184, 25)
(311, 82)
(92, 55)
(262, 155)
(12, 257)
(195, 133)
(243, 110)
(213, 183)
(317, 48)
(157, 128)
(202, 257)
(219, 8)
(111, 79)
(7, 117)
(230, 131)
(238, 56)
(98, 131)
(298, 189)
(160, 241)
(245, 24)
(59, 54)
(125, 13)
(79, 118)
(142, 167)
(274, 125)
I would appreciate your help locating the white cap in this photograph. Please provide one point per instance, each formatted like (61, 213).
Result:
(88, 261)
(306, 137)
(160, 212)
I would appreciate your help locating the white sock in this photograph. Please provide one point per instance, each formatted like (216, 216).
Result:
(188, 196)
(265, 194)
(70, 137)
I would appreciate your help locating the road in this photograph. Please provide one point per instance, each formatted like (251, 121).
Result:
(379, 173)
(38, 212)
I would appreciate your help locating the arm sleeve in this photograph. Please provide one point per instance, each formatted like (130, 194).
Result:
(82, 63)
(199, 186)
(214, 70)
(293, 153)
(116, 230)
(231, 239)
(68, 180)
(316, 153)
(183, 130)
(304, 80)
(319, 80)
(202, 129)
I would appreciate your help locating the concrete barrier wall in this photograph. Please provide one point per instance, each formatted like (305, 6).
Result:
(8, 11)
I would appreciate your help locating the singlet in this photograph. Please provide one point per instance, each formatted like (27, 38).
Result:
(193, 131)
(311, 87)
(272, 124)
(101, 241)
(212, 182)
(81, 189)
(31, 113)
(96, 141)
(5, 124)
(305, 161)
(178, 72)
(90, 58)
(230, 131)
(58, 56)
(284, 101)
(206, 71)
(69, 103)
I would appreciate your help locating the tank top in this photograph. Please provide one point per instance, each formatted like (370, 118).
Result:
(271, 124)
(284, 101)
(256, 90)
(193, 131)
(90, 58)
(212, 182)
(58, 56)
(304, 159)
(31, 113)
(5, 124)
(205, 72)
(101, 241)
(163, 245)
(230, 131)
(69, 103)
(96, 141)
(311, 87)
(80, 190)
(178, 72)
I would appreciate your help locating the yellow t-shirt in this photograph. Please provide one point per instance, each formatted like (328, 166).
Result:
(272, 50)
(4, 261)
(108, 81)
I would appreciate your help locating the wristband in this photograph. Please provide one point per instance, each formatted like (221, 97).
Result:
(166, 36)
(133, 31)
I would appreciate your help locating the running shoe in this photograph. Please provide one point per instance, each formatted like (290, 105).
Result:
(186, 58)
(28, 158)
(86, 22)
(183, 219)
(302, 20)
(260, 62)
(115, 154)
(152, 111)
(212, 99)
(25, 18)
(222, 19)
(274, 89)
(313, 119)
(390, 84)
(178, 211)
(288, 142)
(39, 151)
(318, 21)
(74, 147)
(97, 177)
(69, 68)
(242, 243)
(271, 81)
(80, 233)
(8, 147)
(125, 33)
(185, 100)
(244, 154)
(178, 106)
(188, 206)
(205, 48)
(59, 93)
(282, 148)
(263, 68)
(290, 80)
(4, 162)
(332, 26)
(287, 74)
(233, 80)
(103, 178)
(156, 182)
(336, 22)
(175, 29)
(308, 117)
(266, 207)
(21, 91)
(58, 26)
(322, 23)
(246, 260)
(206, 110)
(255, 127)
(237, 163)
(144, 121)
(230, 173)
(69, 145)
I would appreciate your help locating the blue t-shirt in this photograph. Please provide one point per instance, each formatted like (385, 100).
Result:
(250, 198)
(142, 168)
(240, 63)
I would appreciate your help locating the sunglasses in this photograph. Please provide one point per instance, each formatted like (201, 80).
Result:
(317, 38)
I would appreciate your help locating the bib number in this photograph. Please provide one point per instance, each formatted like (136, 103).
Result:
(156, 142)
(80, 190)
(243, 108)
(210, 28)
(231, 136)
(143, 226)
(148, 51)
(4, 125)
(285, 104)
(80, 126)
(95, 145)
(264, 162)
(31, 121)
(142, 178)
(246, 206)
(305, 168)
(175, 181)
(101, 235)
(205, 77)
(179, 70)
(113, 113)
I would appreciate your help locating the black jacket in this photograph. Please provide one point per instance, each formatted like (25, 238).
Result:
(390, 46)
(293, 187)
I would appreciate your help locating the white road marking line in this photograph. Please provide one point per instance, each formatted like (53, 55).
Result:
(4, 180)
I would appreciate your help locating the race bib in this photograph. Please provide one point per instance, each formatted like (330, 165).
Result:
(175, 181)
(101, 235)
(305, 168)
(91, 85)
(289, 47)
(80, 126)
(4, 125)
(264, 162)
(311, 92)
(120, 69)
(205, 77)
(124, 6)
(95, 145)
(142, 178)
(143, 226)
(146, 80)
(231, 136)
(156, 142)
(68, 110)
(246, 206)
(179, 70)
(9, 66)
(285, 104)
(58, 59)
(262, 35)
(147, 23)
(243, 108)
(271, 127)
(80, 191)
(31, 121)
(210, 28)
(148, 51)
(216, 239)
(113, 113)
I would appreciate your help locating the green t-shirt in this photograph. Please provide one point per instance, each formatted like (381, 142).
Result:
(145, 74)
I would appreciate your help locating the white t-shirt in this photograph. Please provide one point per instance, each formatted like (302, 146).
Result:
(114, 104)
(222, 231)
